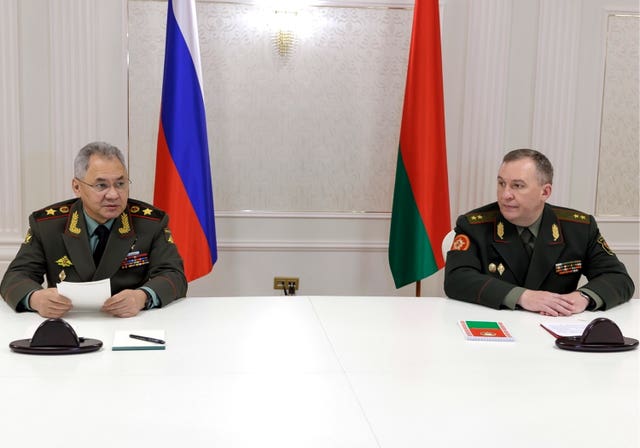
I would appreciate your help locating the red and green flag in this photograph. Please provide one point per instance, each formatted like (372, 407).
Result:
(420, 217)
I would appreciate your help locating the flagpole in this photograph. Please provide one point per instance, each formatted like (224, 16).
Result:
(418, 288)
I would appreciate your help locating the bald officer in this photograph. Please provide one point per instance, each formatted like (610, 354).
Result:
(101, 233)
(522, 252)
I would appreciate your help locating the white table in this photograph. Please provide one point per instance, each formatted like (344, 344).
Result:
(320, 372)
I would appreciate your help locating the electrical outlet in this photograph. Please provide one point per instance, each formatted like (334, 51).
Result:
(286, 283)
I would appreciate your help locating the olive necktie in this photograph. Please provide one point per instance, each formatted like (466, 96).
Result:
(103, 235)
(528, 240)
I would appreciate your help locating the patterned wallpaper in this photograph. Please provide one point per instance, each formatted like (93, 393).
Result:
(619, 164)
(314, 131)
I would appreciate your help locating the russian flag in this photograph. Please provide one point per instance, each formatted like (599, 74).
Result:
(183, 175)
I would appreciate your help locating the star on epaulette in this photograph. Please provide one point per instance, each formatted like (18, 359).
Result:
(571, 215)
(145, 211)
(52, 212)
(479, 218)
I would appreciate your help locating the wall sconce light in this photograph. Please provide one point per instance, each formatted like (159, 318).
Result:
(284, 36)
(287, 22)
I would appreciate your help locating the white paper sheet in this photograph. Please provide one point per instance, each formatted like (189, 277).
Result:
(573, 328)
(86, 296)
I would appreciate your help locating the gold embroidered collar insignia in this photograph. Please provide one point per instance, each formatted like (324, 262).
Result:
(126, 227)
(73, 225)
(555, 232)
(501, 230)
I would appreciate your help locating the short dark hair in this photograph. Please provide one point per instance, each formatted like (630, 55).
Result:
(543, 165)
(102, 149)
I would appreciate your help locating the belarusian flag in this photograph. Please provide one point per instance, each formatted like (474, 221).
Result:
(420, 217)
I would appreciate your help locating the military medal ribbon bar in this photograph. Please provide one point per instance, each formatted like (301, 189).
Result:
(568, 267)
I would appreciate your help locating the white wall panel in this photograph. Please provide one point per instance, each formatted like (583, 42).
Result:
(332, 253)
(589, 101)
(485, 100)
(10, 182)
(73, 89)
(73, 85)
(556, 88)
(619, 161)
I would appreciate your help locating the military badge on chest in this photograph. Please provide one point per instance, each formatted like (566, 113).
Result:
(64, 262)
(499, 268)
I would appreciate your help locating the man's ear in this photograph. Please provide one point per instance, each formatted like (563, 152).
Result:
(75, 186)
(546, 191)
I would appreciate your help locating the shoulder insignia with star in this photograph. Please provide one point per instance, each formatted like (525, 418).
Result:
(567, 214)
(142, 210)
(59, 210)
(481, 217)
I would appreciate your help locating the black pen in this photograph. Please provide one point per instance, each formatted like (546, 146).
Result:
(146, 339)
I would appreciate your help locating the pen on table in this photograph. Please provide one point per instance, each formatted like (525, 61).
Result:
(146, 338)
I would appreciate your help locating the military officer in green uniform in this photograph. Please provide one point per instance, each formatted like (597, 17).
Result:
(522, 252)
(101, 233)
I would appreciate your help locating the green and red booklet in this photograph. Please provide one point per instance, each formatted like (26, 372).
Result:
(475, 330)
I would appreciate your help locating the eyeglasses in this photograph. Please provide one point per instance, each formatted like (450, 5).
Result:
(100, 187)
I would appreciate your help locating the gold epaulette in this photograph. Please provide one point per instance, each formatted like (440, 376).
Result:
(59, 210)
(567, 214)
(481, 217)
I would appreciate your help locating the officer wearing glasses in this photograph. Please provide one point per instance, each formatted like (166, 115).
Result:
(99, 234)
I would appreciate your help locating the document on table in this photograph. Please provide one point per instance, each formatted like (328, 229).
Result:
(565, 328)
(86, 296)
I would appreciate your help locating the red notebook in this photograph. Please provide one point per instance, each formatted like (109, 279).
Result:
(475, 330)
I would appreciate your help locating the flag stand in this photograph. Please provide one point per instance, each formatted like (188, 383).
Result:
(418, 288)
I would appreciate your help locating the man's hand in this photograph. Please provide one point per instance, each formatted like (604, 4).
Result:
(127, 303)
(48, 303)
(553, 304)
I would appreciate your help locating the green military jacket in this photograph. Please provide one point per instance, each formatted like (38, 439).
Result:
(488, 260)
(140, 252)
